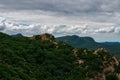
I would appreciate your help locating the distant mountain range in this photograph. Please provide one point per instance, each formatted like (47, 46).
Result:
(18, 35)
(112, 43)
(90, 43)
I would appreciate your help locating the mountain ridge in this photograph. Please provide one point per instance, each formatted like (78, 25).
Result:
(84, 42)
(23, 58)
(18, 35)
(111, 43)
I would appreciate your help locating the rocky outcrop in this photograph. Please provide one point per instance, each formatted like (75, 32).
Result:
(115, 60)
(100, 50)
(44, 37)
(107, 62)
(75, 51)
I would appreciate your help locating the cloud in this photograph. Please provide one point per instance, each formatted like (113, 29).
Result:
(32, 29)
(105, 30)
(60, 30)
(2, 27)
(117, 30)
(71, 11)
(57, 30)
(65, 7)
(2, 24)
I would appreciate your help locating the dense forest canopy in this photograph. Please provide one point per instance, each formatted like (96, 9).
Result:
(24, 58)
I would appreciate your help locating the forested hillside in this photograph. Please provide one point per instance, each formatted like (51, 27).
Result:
(90, 43)
(42, 58)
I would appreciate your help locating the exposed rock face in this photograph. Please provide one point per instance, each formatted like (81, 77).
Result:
(100, 50)
(115, 60)
(107, 63)
(45, 37)
(99, 77)
(75, 51)
(109, 69)
(118, 75)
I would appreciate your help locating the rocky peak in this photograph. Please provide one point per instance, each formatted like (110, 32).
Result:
(44, 37)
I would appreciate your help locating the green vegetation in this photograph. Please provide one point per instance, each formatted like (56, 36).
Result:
(111, 77)
(88, 42)
(22, 58)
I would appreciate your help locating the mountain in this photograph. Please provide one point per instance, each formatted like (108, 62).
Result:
(26, 58)
(45, 36)
(76, 40)
(88, 42)
(18, 35)
(112, 43)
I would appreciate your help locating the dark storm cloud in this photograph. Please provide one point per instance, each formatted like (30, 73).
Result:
(92, 10)
(63, 6)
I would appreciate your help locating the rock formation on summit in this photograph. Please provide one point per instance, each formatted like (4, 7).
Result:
(44, 37)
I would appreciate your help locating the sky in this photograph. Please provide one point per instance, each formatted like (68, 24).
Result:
(99, 19)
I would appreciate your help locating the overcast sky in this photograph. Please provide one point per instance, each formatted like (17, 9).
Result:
(99, 19)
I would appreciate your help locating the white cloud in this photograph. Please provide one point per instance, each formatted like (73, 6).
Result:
(105, 30)
(13, 28)
(117, 30)
(58, 30)
(61, 12)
